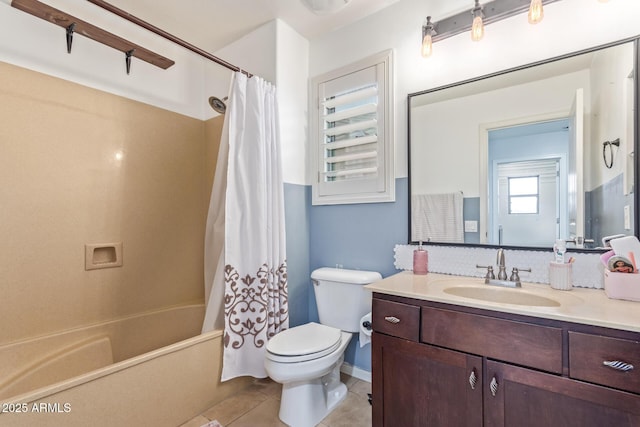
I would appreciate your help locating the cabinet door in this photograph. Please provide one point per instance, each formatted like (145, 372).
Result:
(422, 385)
(521, 397)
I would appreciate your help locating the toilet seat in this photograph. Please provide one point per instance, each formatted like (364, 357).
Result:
(304, 342)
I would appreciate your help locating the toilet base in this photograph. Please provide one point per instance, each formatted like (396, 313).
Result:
(306, 403)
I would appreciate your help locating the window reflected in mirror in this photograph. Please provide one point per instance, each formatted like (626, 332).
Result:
(524, 151)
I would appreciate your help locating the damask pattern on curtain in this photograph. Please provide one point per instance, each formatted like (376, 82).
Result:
(252, 261)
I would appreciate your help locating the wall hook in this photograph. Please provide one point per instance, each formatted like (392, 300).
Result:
(70, 30)
(127, 59)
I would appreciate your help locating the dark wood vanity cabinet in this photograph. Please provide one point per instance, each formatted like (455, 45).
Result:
(445, 365)
(528, 398)
(413, 396)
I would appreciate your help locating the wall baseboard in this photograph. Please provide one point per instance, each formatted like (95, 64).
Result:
(356, 372)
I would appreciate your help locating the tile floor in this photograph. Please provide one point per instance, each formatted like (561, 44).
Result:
(258, 406)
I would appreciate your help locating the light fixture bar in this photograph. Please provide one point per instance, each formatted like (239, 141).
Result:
(494, 11)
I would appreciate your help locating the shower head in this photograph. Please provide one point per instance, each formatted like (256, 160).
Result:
(218, 104)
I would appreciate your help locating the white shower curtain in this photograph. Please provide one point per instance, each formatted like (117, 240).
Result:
(245, 250)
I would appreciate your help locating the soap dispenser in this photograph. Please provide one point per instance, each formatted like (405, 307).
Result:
(420, 260)
(559, 249)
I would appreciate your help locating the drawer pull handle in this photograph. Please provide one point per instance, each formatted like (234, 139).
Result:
(473, 379)
(392, 319)
(618, 365)
(493, 386)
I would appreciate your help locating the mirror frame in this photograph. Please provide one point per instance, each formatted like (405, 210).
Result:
(636, 137)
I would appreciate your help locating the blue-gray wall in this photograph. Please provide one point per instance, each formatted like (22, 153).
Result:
(297, 201)
(605, 210)
(471, 212)
(359, 236)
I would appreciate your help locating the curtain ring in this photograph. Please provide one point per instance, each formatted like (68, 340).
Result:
(610, 144)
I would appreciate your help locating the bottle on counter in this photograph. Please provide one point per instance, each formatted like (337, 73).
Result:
(420, 260)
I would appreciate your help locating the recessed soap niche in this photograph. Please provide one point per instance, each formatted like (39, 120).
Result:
(102, 255)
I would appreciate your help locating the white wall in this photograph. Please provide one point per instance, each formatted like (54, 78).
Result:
(609, 115)
(568, 26)
(280, 55)
(255, 52)
(453, 164)
(292, 77)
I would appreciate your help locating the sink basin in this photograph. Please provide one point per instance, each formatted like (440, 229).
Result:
(501, 295)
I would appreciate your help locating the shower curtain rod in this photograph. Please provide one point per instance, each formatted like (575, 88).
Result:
(123, 14)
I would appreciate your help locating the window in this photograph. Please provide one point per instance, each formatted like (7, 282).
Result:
(351, 135)
(523, 195)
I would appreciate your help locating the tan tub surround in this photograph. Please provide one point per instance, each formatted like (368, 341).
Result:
(33, 363)
(586, 306)
(163, 388)
(88, 172)
(80, 167)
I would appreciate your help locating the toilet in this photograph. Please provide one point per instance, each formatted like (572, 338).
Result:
(306, 359)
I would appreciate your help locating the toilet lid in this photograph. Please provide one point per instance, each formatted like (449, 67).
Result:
(305, 339)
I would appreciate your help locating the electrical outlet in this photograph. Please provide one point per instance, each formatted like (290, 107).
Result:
(471, 226)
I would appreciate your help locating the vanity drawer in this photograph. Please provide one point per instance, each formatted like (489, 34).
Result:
(526, 344)
(397, 319)
(587, 354)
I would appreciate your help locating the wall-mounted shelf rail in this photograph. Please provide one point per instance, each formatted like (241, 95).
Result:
(74, 25)
(162, 33)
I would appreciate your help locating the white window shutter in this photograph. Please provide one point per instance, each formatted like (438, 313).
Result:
(353, 154)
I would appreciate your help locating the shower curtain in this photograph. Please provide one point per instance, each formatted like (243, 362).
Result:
(245, 249)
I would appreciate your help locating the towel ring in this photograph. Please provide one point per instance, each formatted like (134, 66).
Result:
(610, 144)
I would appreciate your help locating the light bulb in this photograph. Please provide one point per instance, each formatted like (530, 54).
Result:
(427, 38)
(477, 28)
(427, 46)
(536, 13)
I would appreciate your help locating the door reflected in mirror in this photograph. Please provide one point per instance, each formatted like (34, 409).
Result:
(540, 134)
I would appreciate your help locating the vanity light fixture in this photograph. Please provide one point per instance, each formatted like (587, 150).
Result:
(477, 26)
(428, 32)
(536, 13)
(485, 14)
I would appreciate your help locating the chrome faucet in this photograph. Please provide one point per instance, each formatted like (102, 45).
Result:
(502, 269)
(501, 280)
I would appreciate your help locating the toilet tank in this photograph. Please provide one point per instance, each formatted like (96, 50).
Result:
(341, 297)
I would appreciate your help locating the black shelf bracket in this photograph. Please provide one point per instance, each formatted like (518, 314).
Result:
(70, 30)
(127, 59)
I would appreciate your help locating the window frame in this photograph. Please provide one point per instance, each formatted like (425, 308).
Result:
(343, 193)
(512, 196)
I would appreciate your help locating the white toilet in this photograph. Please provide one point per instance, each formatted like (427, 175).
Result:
(306, 359)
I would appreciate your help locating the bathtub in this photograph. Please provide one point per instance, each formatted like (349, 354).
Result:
(148, 369)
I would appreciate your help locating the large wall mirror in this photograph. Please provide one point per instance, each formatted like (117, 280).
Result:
(527, 156)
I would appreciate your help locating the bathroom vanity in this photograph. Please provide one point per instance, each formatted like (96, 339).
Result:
(452, 351)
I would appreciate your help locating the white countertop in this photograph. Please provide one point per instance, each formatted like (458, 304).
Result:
(579, 305)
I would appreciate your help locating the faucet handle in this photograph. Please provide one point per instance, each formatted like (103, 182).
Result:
(515, 276)
(489, 275)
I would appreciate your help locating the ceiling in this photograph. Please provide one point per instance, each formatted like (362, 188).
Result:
(213, 24)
